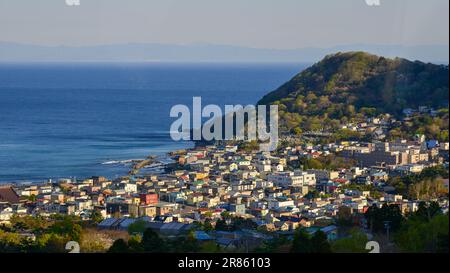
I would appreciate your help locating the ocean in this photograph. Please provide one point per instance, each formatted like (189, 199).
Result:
(60, 120)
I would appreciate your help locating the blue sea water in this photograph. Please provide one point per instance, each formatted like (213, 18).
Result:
(65, 120)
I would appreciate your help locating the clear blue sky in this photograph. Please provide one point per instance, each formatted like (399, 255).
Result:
(254, 23)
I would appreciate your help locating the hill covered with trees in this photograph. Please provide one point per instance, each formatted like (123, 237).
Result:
(351, 86)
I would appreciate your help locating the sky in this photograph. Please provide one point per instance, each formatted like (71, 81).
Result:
(277, 24)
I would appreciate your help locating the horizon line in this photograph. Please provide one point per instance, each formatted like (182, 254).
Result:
(202, 44)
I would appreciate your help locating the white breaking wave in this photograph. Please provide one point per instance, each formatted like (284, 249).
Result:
(115, 162)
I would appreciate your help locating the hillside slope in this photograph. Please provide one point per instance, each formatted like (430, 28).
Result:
(354, 85)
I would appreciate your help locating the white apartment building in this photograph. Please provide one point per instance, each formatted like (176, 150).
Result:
(298, 178)
(276, 204)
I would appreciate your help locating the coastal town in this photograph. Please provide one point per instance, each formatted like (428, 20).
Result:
(224, 136)
(262, 195)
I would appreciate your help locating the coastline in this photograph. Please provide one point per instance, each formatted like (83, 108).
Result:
(130, 165)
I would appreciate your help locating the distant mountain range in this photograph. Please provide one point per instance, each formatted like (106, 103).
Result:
(14, 52)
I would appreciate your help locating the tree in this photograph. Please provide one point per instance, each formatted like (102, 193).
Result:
(305, 243)
(312, 194)
(425, 230)
(427, 212)
(427, 189)
(226, 223)
(302, 242)
(240, 223)
(119, 246)
(319, 243)
(273, 245)
(344, 216)
(210, 247)
(420, 236)
(207, 226)
(186, 244)
(355, 243)
(96, 217)
(134, 244)
(297, 131)
(221, 225)
(9, 242)
(378, 218)
(151, 242)
(54, 244)
(69, 228)
(426, 185)
(32, 198)
(137, 227)
(36, 224)
(311, 164)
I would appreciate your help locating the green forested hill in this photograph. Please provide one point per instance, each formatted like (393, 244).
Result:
(352, 85)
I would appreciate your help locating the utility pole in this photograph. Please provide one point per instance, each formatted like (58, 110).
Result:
(387, 226)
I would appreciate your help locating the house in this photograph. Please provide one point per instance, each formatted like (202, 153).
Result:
(149, 198)
(323, 175)
(380, 176)
(432, 144)
(145, 210)
(330, 231)
(239, 209)
(202, 236)
(281, 225)
(228, 243)
(165, 208)
(233, 167)
(108, 223)
(83, 204)
(125, 223)
(8, 195)
(130, 187)
(363, 180)
(174, 229)
(277, 204)
(6, 214)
